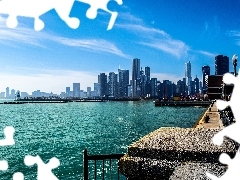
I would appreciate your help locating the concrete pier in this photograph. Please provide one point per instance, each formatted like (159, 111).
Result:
(179, 153)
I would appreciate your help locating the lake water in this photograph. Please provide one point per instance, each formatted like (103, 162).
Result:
(65, 130)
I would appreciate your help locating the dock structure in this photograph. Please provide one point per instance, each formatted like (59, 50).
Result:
(182, 103)
(179, 153)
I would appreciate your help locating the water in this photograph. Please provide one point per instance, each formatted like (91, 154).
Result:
(65, 130)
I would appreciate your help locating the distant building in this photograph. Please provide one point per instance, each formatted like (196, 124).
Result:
(188, 76)
(24, 94)
(123, 79)
(96, 89)
(153, 83)
(76, 89)
(205, 74)
(67, 91)
(2, 95)
(221, 65)
(147, 85)
(196, 85)
(7, 92)
(13, 94)
(135, 76)
(112, 85)
(103, 87)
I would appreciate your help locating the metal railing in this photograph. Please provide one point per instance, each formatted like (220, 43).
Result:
(102, 166)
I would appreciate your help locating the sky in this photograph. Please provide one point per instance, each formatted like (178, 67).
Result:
(163, 34)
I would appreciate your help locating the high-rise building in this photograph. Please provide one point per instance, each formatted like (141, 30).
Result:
(96, 89)
(153, 83)
(135, 76)
(196, 83)
(7, 92)
(205, 74)
(221, 65)
(67, 91)
(76, 89)
(147, 85)
(188, 76)
(112, 85)
(13, 93)
(123, 79)
(103, 87)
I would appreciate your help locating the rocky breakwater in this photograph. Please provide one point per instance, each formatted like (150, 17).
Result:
(176, 153)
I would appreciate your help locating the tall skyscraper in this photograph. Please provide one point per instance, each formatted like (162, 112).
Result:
(188, 76)
(7, 92)
(123, 79)
(67, 91)
(103, 87)
(205, 74)
(112, 84)
(135, 76)
(196, 82)
(96, 89)
(76, 89)
(221, 65)
(147, 85)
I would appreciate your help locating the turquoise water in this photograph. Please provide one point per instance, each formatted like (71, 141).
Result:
(65, 130)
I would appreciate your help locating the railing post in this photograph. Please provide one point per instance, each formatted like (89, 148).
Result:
(85, 165)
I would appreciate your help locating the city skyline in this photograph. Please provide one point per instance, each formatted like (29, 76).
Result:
(164, 35)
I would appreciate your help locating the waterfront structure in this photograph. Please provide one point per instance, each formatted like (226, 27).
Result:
(135, 77)
(76, 89)
(188, 76)
(205, 74)
(96, 89)
(123, 79)
(112, 85)
(103, 87)
(221, 65)
(7, 92)
(215, 87)
(68, 91)
(2, 95)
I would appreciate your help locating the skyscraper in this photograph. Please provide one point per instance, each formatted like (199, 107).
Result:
(135, 76)
(67, 91)
(205, 74)
(221, 65)
(112, 84)
(76, 89)
(7, 92)
(147, 85)
(196, 82)
(188, 75)
(102, 81)
(123, 79)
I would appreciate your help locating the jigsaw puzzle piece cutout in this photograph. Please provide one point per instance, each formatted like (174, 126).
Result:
(233, 167)
(103, 5)
(44, 170)
(18, 176)
(8, 133)
(3, 165)
(36, 8)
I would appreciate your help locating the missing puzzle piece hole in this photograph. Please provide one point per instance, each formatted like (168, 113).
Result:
(12, 22)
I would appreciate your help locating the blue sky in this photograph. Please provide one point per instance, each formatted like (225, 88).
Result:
(163, 34)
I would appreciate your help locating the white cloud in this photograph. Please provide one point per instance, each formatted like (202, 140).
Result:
(30, 36)
(94, 45)
(205, 53)
(157, 39)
